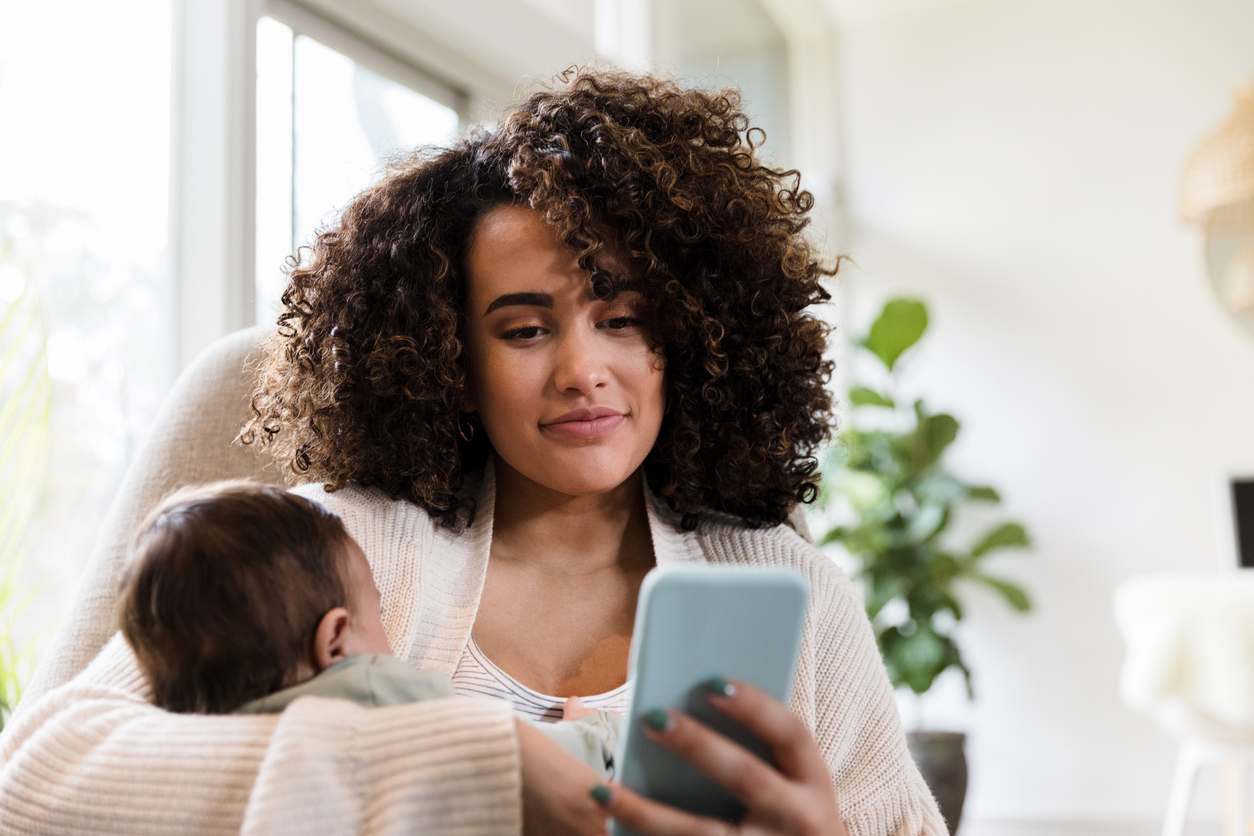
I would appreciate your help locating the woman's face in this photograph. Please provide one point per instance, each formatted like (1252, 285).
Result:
(566, 386)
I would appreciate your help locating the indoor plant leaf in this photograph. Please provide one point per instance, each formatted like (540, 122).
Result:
(1013, 593)
(1006, 535)
(837, 534)
(916, 658)
(984, 493)
(939, 488)
(864, 396)
(899, 326)
(951, 604)
(880, 592)
(933, 434)
(946, 516)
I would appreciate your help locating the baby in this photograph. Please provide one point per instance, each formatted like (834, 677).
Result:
(241, 597)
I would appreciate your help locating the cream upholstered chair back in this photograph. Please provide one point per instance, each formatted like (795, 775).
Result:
(190, 443)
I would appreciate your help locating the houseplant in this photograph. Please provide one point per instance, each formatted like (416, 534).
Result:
(894, 500)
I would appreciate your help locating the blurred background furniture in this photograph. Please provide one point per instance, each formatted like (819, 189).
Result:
(1190, 665)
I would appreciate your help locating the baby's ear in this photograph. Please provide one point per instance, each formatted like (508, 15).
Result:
(329, 639)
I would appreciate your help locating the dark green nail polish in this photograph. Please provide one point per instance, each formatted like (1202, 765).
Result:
(601, 795)
(720, 687)
(659, 721)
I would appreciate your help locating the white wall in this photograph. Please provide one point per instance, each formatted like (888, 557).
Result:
(1015, 164)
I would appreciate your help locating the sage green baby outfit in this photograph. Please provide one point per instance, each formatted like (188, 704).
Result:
(378, 681)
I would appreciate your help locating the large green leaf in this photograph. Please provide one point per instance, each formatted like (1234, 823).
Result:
(899, 326)
(932, 436)
(915, 658)
(1006, 535)
(939, 488)
(881, 590)
(1013, 593)
(951, 604)
(983, 493)
(837, 534)
(864, 396)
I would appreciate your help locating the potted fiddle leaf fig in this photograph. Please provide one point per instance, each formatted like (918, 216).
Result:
(888, 485)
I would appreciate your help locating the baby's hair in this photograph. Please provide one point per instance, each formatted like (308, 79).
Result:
(224, 590)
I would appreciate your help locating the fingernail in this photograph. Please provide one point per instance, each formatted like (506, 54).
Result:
(601, 795)
(658, 720)
(720, 687)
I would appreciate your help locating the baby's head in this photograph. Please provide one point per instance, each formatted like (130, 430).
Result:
(235, 590)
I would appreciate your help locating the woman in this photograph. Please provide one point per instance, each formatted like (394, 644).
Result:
(524, 371)
(602, 304)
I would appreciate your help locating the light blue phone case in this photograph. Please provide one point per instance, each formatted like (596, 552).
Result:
(694, 623)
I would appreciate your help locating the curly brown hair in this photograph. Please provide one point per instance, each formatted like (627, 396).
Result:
(364, 380)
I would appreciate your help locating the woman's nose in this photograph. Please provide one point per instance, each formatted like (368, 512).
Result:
(579, 365)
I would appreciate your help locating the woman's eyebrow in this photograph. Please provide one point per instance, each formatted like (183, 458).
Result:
(538, 300)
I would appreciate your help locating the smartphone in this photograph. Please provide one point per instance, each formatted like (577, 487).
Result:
(694, 623)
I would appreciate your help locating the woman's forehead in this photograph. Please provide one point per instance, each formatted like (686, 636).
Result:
(514, 252)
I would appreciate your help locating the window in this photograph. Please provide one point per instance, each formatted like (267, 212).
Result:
(326, 126)
(84, 334)
(716, 43)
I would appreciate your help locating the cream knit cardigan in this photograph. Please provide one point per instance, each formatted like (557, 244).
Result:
(94, 757)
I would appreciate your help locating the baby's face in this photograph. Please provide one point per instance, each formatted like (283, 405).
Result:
(365, 629)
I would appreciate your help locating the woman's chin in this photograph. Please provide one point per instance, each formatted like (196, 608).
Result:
(584, 476)
(586, 484)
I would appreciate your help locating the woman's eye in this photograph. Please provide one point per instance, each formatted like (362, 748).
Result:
(526, 332)
(621, 323)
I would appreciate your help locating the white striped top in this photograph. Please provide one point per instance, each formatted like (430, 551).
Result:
(477, 676)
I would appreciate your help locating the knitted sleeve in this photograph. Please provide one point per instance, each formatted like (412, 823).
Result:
(856, 723)
(93, 756)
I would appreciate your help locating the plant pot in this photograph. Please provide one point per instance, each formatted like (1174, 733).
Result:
(941, 759)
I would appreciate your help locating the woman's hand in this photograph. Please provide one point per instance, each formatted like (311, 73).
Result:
(796, 799)
(556, 789)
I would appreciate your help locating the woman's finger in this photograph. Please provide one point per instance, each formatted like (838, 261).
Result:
(650, 818)
(789, 738)
(746, 776)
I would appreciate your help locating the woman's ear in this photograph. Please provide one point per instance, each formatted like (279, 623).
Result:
(329, 639)
(466, 424)
(469, 403)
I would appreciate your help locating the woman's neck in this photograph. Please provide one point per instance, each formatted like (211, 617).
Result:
(552, 531)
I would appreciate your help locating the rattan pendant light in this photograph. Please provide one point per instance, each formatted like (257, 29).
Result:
(1217, 194)
(1217, 187)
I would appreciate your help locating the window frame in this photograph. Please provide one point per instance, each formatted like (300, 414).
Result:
(303, 21)
(213, 146)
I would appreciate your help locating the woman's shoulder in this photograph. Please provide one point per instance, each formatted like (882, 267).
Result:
(355, 498)
(727, 540)
(370, 513)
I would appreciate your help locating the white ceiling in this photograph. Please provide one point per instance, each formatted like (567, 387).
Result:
(855, 11)
(486, 46)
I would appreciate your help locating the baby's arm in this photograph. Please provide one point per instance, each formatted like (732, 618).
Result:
(591, 736)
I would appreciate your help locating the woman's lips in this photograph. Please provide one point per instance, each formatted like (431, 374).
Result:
(585, 423)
